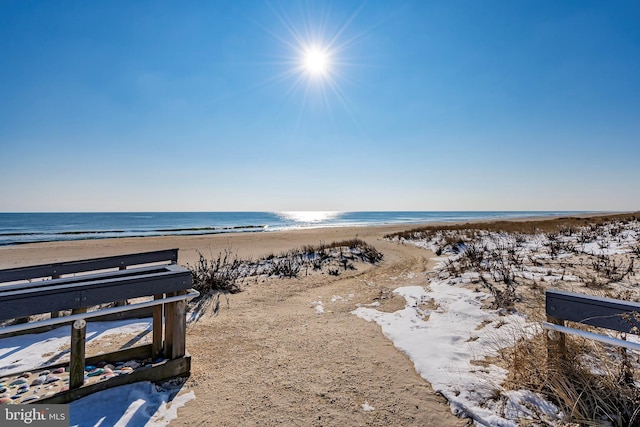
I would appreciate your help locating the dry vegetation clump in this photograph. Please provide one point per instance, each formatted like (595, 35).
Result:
(592, 385)
(515, 262)
(220, 273)
(226, 272)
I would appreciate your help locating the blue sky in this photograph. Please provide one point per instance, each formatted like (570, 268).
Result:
(424, 105)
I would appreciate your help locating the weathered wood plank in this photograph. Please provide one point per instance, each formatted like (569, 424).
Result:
(157, 343)
(88, 277)
(63, 296)
(140, 352)
(169, 321)
(91, 277)
(621, 316)
(70, 267)
(179, 329)
(136, 313)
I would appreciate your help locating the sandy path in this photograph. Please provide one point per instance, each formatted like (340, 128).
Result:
(269, 358)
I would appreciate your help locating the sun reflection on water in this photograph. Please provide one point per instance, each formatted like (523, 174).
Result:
(309, 216)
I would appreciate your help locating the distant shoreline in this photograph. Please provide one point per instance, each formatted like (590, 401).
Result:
(23, 228)
(247, 244)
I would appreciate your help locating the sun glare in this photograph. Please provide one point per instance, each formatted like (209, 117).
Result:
(319, 48)
(316, 62)
(309, 216)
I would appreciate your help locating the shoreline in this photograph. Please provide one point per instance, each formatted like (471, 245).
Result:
(244, 244)
(26, 228)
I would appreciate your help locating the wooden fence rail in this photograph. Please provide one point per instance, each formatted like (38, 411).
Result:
(606, 313)
(80, 285)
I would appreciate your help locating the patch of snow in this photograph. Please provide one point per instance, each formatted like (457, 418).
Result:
(139, 404)
(366, 407)
(457, 333)
(319, 307)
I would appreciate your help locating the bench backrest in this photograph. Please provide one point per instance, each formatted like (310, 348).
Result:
(621, 316)
(71, 267)
(21, 299)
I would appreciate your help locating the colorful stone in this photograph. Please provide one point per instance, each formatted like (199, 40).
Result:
(52, 380)
(95, 372)
(17, 382)
(40, 380)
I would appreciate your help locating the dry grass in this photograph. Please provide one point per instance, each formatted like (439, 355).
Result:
(515, 262)
(564, 224)
(226, 273)
(592, 385)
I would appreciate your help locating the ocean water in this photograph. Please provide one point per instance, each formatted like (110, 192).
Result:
(17, 228)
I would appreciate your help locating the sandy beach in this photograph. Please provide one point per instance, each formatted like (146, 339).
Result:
(267, 357)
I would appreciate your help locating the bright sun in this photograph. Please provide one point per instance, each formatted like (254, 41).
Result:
(316, 62)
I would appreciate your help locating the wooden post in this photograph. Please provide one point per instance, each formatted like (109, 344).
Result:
(175, 322)
(156, 347)
(556, 346)
(179, 328)
(76, 363)
(169, 319)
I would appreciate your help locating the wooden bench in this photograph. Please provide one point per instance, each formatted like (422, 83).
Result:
(80, 285)
(606, 313)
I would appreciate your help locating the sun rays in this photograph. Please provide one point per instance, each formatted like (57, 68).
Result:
(317, 52)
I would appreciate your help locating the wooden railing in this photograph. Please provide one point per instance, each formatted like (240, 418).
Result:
(599, 312)
(81, 285)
